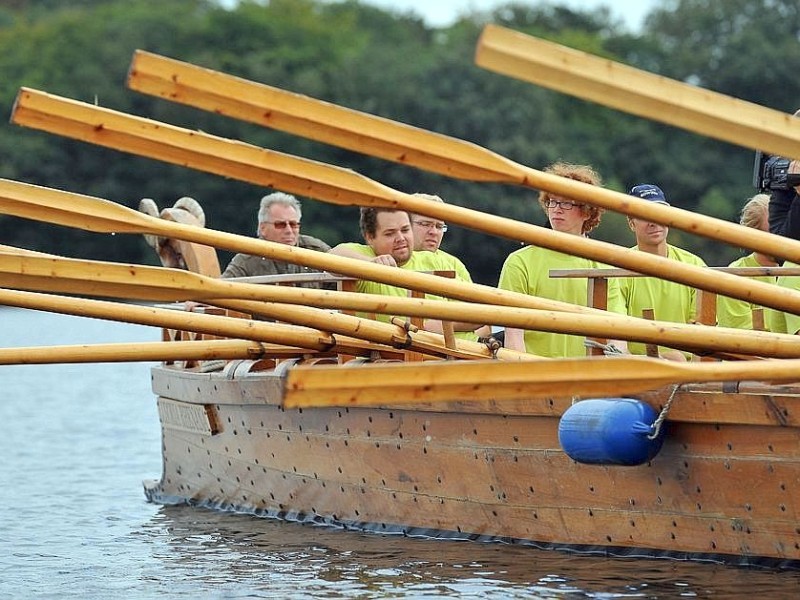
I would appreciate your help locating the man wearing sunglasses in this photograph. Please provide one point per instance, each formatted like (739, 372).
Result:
(279, 217)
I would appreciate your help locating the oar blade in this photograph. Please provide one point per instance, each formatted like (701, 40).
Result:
(389, 384)
(195, 149)
(315, 119)
(55, 274)
(483, 380)
(71, 210)
(638, 92)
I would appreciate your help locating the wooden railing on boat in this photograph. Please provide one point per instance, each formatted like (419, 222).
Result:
(706, 313)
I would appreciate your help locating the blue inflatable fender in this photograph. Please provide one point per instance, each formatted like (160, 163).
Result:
(609, 431)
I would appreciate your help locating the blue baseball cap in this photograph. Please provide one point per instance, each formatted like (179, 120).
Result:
(648, 191)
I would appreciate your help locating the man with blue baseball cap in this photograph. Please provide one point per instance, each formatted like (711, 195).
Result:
(648, 191)
(669, 301)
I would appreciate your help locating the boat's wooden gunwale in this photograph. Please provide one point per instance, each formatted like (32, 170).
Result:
(698, 404)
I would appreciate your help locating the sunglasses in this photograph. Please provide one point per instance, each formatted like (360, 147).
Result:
(285, 224)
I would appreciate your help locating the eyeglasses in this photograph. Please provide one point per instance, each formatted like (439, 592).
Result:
(431, 225)
(284, 224)
(564, 204)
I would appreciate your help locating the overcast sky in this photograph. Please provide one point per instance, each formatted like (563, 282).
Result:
(444, 12)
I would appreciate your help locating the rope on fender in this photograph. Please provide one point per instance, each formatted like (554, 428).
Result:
(656, 427)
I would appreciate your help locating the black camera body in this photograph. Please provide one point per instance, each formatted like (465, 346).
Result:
(772, 173)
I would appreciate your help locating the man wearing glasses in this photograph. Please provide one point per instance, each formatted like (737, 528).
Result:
(428, 235)
(527, 270)
(279, 217)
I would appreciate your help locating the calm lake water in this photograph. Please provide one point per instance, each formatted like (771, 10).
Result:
(79, 439)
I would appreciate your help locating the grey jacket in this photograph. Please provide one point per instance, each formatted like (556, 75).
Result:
(246, 265)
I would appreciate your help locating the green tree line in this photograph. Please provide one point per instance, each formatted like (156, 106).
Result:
(394, 65)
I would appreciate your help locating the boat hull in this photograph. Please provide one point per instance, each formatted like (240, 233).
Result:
(725, 486)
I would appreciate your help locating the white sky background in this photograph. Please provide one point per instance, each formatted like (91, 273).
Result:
(444, 12)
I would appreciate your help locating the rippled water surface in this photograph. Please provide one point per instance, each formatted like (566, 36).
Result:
(78, 440)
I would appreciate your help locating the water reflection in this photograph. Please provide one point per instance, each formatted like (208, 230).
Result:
(289, 560)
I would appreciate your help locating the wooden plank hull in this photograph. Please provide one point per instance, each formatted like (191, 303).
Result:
(725, 486)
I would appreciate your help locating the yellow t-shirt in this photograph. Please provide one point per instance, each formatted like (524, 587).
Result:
(528, 271)
(782, 322)
(732, 312)
(670, 301)
(420, 260)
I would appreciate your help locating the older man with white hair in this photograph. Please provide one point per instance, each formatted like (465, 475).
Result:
(279, 217)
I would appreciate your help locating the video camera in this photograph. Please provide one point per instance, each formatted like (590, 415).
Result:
(771, 173)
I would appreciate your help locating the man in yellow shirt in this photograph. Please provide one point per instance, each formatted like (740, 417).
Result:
(390, 241)
(783, 322)
(527, 270)
(732, 312)
(428, 236)
(669, 301)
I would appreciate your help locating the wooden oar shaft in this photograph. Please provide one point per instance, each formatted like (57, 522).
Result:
(692, 338)
(145, 352)
(288, 335)
(56, 274)
(423, 341)
(308, 117)
(333, 184)
(637, 92)
(94, 214)
(353, 335)
(453, 382)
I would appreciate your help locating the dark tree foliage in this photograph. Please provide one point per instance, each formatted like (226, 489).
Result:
(393, 65)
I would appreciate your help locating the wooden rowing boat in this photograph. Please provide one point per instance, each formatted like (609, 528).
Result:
(382, 428)
(724, 486)
(488, 466)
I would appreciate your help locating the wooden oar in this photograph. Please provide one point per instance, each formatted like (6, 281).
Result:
(341, 186)
(157, 283)
(438, 381)
(376, 136)
(147, 352)
(353, 335)
(171, 319)
(94, 214)
(287, 335)
(637, 92)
